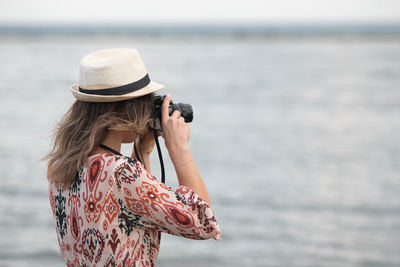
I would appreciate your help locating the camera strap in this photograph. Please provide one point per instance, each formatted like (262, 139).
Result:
(162, 168)
(160, 157)
(110, 149)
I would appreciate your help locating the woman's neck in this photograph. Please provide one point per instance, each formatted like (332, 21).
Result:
(112, 140)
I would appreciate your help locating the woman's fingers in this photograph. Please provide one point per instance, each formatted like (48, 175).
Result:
(175, 131)
(164, 108)
(176, 114)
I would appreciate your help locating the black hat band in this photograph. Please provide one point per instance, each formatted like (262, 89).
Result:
(120, 90)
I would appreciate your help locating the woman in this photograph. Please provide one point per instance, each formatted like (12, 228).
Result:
(108, 208)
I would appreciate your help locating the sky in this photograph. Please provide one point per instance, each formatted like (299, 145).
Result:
(204, 11)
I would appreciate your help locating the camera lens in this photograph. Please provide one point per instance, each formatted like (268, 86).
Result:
(185, 110)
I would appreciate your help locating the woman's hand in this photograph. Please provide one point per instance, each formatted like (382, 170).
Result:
(176, 131)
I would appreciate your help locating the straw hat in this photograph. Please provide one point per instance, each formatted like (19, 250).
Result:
(111, 75)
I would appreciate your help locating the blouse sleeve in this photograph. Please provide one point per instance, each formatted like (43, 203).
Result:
(145, 202)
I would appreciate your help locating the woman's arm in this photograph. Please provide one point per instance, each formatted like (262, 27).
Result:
(154, 206)
(176, 134)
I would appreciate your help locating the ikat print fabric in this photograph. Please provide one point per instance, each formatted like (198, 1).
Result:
(113, 212)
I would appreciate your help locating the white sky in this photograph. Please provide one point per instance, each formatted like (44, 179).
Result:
(148, 11)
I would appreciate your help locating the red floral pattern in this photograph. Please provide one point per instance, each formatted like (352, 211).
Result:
(114, 210)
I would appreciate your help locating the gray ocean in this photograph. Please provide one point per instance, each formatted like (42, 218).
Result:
(296, 135)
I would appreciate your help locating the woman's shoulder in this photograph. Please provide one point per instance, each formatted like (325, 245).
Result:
(121, 169)
(115, 164)
(108, 160)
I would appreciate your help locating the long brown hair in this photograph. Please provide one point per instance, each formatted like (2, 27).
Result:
(85, 125)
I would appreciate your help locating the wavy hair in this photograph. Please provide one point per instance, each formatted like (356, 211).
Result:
(85, 125)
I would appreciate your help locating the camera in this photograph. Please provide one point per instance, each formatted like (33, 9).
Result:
(185, 110)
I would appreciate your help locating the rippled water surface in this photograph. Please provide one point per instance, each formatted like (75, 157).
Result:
(296, 138)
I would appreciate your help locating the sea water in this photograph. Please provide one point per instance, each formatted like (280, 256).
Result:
(296, 137)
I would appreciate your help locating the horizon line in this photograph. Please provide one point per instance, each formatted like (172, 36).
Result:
(278, 29)
(202, 23)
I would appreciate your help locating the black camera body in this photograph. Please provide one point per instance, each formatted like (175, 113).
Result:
(185, 110)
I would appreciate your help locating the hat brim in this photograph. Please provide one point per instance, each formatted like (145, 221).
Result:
(150, 88)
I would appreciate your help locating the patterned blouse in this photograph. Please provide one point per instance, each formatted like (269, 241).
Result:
(113, 212)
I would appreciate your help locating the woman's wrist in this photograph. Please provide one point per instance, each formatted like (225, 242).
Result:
(183, 163)
(179, 155)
